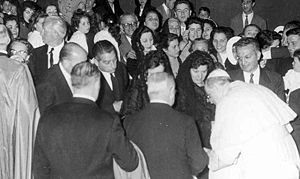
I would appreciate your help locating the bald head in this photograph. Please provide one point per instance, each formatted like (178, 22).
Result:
(161, 86)
(72, 54)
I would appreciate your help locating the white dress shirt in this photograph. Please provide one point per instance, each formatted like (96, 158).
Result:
(77, 95)
(55, 52)
(108, 79)
(250, 17)
(256, 74)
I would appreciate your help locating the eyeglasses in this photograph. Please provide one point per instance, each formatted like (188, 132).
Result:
(127, 25)
(20, 52)
(180, 11)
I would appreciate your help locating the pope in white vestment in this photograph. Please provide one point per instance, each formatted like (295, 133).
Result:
(19, 117)
(251, 134)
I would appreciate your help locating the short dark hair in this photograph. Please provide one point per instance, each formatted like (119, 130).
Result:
(194, 20)
(10, 18)
(297, 54)
(77, 16)
(244, 41)
(253, 1)
(187, 2)
(152, 60)
(221, 29)
(102, 47)
(265, 38)
(292, 24)
(29, 4)
(295, 31)
(166, 39)
(82, 74)
(206, 9)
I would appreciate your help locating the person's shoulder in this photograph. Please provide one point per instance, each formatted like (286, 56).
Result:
(257, 16)
(272, 74)
(236, 16)
(233, 73)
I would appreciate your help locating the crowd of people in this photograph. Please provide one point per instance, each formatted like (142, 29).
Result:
(91, 91)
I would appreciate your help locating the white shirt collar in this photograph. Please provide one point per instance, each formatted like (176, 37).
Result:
(250, 17)
(158, 101)
(108, 79)
(55, 52)
(128, 38)
(66, 75)
(77, 95)
(223, 56)
(256, 74)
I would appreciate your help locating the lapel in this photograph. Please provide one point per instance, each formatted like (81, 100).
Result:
(240, 20)
(264, 80)
(44, 56)
(240, 75)
(62, 80)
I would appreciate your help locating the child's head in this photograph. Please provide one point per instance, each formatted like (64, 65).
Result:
(200, 44)
(296, 62)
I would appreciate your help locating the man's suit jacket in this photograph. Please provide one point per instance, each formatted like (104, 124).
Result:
(268, 79)
(169, 140)
(106, 96)
(236, 23)
(164, 14)
(125, 46)
(78, 140)
(53, 89)
(38, 63)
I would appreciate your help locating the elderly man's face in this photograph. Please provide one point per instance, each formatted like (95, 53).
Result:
(293, 42)
(129, 25)
(248, 57)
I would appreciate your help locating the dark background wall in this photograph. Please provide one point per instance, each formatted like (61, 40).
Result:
(276, 12)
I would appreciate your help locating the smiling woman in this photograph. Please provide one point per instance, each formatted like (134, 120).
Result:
(80, 24)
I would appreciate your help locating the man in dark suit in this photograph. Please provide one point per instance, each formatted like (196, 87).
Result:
(169, 139)
(248, 55)
(114, 78)
(77, 139)
(166, 9)
(129, 23)
(56, 87)
(44, 57)
(238, 22)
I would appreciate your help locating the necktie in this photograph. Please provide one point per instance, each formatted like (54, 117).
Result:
(51, 57)
(116, 89)
(251, 78)
(246, 20)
